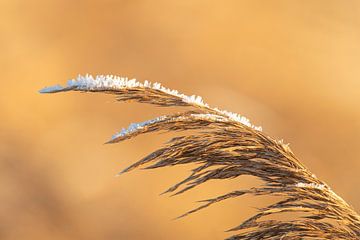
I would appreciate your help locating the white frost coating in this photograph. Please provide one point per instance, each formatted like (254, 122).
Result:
(110, 82)
(208, 116)
(238, 118)
(133, 127)
(102, 82)
(310, 185)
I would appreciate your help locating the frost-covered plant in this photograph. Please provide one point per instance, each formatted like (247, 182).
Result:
(227, 146)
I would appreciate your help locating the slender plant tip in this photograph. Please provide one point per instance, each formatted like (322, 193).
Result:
(53, 89)
(225, 145)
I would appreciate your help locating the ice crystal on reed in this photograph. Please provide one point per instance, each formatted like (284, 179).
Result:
(310, 185)
(209, 116)
(133, 127)
(110, 82)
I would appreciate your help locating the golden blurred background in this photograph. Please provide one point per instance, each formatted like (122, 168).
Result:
(290, 66)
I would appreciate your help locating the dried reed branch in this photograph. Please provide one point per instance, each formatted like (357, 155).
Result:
(229, 146)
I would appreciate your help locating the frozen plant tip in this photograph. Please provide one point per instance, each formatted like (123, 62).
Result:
(225, 145)
(134, 127)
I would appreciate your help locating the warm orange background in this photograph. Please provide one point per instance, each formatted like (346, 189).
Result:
(290, 66)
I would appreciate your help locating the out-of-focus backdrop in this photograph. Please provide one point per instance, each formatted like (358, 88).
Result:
(290, 66)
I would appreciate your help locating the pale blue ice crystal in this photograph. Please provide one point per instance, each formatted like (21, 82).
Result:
(53, 89)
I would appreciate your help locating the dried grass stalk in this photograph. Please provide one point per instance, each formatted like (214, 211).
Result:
(227, 146)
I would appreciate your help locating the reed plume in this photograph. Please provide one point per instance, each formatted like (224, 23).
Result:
(225, 146)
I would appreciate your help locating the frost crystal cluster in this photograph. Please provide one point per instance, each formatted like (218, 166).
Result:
(310, 185)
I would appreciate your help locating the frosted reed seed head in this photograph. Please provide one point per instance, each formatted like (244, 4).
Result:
(226, 145)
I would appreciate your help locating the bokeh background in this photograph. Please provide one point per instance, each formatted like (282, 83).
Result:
(290, 66)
